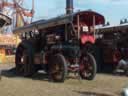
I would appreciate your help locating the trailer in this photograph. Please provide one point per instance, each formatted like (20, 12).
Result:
(58, 45)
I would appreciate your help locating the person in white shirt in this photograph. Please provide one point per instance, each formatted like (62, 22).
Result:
(123, 63)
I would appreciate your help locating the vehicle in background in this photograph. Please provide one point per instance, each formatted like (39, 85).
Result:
(110, 45)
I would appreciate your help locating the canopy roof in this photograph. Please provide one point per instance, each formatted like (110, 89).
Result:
(86, 16)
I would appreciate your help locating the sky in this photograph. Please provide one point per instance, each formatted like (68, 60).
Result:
(112, 10)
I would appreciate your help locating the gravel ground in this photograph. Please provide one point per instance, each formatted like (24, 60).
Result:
(38, 85)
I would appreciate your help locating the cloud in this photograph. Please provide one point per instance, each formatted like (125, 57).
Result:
(105, 2)
(121, 2)
(51, 8)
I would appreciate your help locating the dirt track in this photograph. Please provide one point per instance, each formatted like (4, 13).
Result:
(38, 85)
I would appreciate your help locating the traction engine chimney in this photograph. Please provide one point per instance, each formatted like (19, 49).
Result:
(69, 6)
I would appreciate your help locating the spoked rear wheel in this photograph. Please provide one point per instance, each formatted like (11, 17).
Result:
(20, 60)
(88, 66)
(57, 68)
(23, 61)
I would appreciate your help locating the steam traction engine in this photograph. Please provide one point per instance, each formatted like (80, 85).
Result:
(58, 45)
(112, 46)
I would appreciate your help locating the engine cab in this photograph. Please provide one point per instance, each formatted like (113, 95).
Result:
(85, 23)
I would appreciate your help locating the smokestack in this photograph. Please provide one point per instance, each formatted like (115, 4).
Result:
(69, 6)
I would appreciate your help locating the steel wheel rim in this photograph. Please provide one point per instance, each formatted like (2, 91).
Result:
(57, 71)
(85, 66)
